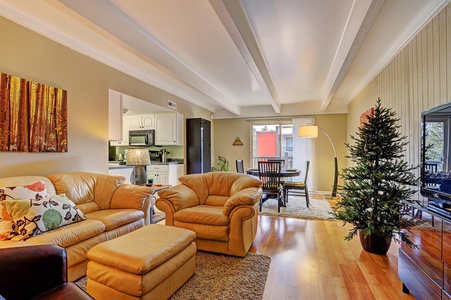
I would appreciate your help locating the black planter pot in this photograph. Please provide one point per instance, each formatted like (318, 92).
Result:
(375, 244)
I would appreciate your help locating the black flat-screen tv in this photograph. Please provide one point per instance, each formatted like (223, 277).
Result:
(436, 158)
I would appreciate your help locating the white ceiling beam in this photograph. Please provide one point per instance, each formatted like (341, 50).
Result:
(117, 23)
(234, 18)
(360, 19)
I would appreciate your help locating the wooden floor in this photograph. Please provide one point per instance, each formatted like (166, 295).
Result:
(311, 260)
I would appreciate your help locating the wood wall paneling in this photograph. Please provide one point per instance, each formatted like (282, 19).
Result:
(417, 79)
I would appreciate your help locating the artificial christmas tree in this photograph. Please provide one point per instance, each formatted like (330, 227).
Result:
(377, 183)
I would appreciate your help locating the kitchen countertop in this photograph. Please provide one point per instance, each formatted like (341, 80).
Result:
(113, 165)
(116, 164)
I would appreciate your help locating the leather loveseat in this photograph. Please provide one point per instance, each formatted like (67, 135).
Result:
(110, 207)
(38, 272)
(220, 207)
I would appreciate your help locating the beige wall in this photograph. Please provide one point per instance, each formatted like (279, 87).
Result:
(29, 55)
(417, 79)
(227, 130)
(335, 127)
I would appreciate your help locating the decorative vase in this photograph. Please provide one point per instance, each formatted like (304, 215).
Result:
(376, 244)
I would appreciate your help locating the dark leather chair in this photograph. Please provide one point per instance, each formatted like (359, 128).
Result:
(36, 272)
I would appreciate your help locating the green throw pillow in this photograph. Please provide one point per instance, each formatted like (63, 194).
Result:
(34, 216)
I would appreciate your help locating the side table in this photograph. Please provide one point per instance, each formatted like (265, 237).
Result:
(158, 187)
(155, 189)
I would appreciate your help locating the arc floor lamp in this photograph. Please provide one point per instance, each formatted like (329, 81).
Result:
(311, 131)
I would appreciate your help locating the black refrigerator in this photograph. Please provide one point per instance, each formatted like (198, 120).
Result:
(198, 146)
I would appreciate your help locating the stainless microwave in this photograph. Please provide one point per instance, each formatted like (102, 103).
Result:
(141, 137)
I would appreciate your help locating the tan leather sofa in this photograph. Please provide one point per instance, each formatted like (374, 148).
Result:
(220, 207)
(112, 209)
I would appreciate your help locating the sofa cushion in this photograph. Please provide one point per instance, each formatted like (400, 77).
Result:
(206, 232)
(69, 235)
(89, 191)
(202, 214)
(34, 216)
(114, 218)
(215, 200)
(218, 183)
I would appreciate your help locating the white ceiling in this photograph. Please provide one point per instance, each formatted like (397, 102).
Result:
(236, 58)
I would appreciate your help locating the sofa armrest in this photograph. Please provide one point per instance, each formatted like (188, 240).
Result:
(131, 196)
(168, 208)
(180, 196)
(248, 196)
(134, 197)
(28, 271)
(174, 199)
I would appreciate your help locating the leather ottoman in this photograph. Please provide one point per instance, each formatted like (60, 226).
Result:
(149, 263)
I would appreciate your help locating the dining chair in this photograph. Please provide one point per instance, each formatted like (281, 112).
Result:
(297, 188)
(239, 166)
(282, 162)
(269, 174)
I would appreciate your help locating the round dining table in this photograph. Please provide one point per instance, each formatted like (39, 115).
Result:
(283, 173)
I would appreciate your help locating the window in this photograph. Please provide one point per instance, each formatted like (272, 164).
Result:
(266, 142)
(278, 139)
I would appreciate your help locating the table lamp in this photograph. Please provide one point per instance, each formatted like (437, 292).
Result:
(311, 131)
(138, 157)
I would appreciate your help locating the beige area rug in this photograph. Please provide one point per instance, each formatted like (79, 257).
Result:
(222, 277)
(297, 208)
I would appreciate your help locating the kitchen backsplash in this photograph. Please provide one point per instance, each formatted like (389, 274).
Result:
(175, 151)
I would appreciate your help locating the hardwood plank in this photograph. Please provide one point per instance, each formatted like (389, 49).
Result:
(311, 260)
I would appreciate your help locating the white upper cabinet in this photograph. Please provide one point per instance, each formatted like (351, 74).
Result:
(142, 122)
(124, 141)
(169, 129)
(148, 121)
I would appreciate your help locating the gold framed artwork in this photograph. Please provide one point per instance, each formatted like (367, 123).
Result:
(33, 116)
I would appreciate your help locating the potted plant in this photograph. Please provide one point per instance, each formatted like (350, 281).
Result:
(377, 182)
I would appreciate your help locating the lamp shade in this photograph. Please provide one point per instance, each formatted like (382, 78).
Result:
(138, 157)
(308, 131)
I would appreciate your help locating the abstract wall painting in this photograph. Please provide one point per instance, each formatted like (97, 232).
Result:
(33, 116)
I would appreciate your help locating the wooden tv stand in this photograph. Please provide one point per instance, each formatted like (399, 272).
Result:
(426, 271)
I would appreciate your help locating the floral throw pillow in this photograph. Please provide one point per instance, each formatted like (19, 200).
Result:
(35, 216)
(36, 190)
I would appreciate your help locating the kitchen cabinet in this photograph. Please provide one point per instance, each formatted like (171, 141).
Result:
(169, 129)
(165, 173)
(125, 171)
(125, 129)
(142, 122)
